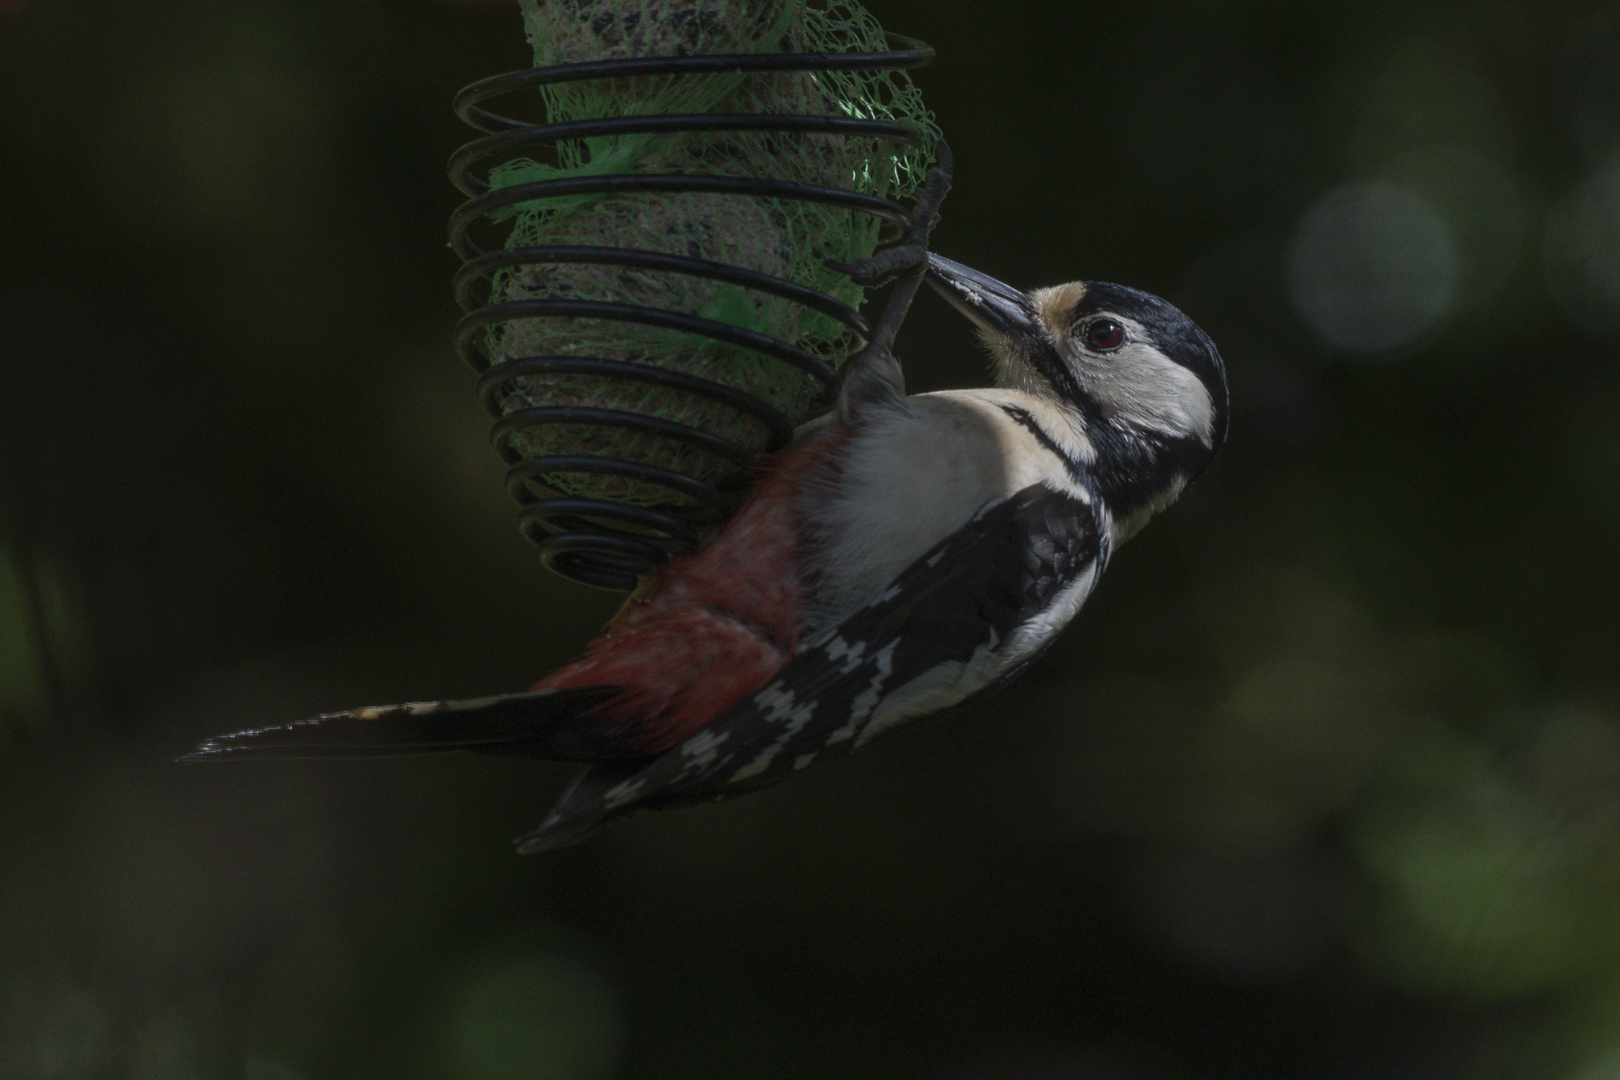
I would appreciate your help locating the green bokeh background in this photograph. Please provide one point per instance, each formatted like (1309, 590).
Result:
(1324, 784)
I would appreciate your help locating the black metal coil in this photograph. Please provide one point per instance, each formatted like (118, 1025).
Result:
(596, 541)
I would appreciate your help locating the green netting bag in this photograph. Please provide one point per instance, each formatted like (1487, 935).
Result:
(783, 237)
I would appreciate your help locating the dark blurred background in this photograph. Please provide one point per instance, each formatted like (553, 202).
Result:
(1325, 783)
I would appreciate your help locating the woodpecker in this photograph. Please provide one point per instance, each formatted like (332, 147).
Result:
(902, 556)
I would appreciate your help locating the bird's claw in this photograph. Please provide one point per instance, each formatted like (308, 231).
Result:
(878, 270)
(874, 374)
(910, 253)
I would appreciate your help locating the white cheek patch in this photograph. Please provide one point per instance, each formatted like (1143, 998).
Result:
(1141, 385)
(1153, 391)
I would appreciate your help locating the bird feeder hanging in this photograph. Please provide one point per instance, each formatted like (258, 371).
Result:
(659, 311)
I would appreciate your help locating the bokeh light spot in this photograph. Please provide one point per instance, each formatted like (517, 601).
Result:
(1371, 268)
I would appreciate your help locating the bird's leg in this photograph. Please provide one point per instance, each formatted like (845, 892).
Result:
(911, 252)
(874, 376)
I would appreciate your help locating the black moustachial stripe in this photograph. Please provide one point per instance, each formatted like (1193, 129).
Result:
(1077, 471)
(976, 587)
(1044, 358)
(1135, 465)
(1132, 466)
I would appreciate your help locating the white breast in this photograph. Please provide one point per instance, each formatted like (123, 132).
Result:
(913, 478)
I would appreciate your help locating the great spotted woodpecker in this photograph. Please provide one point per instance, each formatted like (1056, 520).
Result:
(903, 556)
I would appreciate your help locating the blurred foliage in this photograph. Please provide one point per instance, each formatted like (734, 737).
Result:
(1325, 782)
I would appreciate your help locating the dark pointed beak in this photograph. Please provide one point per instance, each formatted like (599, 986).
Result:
(993, 306)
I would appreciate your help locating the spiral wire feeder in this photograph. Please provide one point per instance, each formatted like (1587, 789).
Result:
(592, 540)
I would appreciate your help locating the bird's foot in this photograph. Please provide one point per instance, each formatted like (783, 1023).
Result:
(874, 374)
(910, 252)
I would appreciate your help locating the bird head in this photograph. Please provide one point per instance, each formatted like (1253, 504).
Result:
(1115, 357)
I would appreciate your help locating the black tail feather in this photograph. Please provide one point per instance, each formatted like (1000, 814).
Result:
(541, 723)
(582, 809)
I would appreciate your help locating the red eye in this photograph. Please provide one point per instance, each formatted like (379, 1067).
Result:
(1104, 335)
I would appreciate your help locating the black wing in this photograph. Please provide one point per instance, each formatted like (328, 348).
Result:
(963, 618)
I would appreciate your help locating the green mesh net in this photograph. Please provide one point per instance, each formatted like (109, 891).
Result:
(785, 238)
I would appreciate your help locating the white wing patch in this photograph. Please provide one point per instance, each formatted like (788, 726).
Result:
(702, 749)
(1038, 629)
(939, 687)
(778, 704)
(625, 791)
(838, 649)
(867, 699)
(953, 681)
